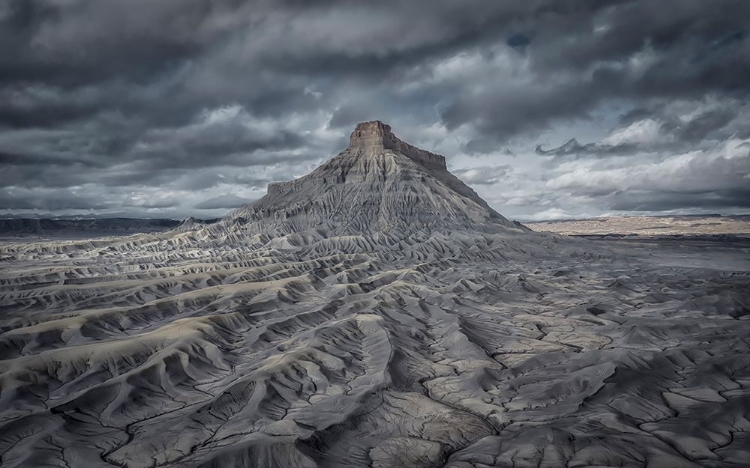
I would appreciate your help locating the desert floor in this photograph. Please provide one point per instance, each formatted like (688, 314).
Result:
(448, 350)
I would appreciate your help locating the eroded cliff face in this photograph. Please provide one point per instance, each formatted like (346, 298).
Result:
(379, 183)
(376, 136)
(364, 158)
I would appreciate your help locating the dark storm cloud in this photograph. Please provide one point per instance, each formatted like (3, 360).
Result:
(477, 146)
(483, 175)
(214, 144)
(707, 121)
(666, 128)
(224, 201)
(518, 41)
(713, 200)
(50, 200)
(699, 128)
(637, 51)
(573, 148)
(147, 97)
(716, 178)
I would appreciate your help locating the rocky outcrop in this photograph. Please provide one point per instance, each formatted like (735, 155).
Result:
(379, 183)
(375, 135)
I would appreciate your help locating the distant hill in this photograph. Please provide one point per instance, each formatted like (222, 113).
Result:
(92, 227)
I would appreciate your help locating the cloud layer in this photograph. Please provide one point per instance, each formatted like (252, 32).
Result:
(190, 107)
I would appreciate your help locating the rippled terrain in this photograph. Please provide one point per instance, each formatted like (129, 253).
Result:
(374, 313)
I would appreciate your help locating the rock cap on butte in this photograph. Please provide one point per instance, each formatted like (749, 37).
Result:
(376, 136)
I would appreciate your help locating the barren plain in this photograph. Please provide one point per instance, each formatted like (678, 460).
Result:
(649, 226)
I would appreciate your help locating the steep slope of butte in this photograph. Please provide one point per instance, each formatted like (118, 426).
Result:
(377, 184)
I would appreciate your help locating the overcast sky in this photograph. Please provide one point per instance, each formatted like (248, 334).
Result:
(548, 108)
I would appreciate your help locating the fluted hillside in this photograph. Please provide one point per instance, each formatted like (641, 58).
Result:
(377, 184)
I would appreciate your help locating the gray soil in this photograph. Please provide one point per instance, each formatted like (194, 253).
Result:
(374, 313)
